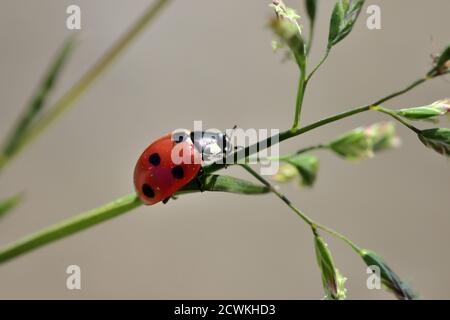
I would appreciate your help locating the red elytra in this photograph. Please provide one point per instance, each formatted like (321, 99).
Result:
(157, 177)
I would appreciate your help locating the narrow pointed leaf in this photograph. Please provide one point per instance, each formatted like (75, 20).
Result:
(354, 145)
(389, 278)
(437, 139)
(444, 58)
(311, 10)
(362, 143)
(442, 63)
(40, 97)
(333, 282)
(343, 18)
(307, 166)
(10, 203)
(220, 183)
(434, 110)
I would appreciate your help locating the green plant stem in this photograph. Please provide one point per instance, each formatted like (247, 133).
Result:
(327, 53)
(235, 157)
(87, 80)
(403, 91)
(303, 216)
(3, 161)
(302, 84)
(288, 134)
(70, 226)
(314, 225)
(298, 152)
(338, 235)
(305, 150)
(396, 117)
(299, 102)
(9, 204)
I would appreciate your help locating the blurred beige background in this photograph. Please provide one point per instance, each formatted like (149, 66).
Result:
(212, 61)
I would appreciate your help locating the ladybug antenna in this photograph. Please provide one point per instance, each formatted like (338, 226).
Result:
(233, 130)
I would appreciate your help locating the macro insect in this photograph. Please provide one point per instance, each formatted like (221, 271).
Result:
(173, 160)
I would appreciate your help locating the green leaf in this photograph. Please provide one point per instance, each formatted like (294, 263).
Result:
(286, 27)
(444, 58)
(389, 278)
(436, 109)
(333, 281)
(442, 63)
(362, 143)
(10, 203)
(307, 166)
(219, 183)
(311, 10)
(40, 97)
(437, 139)
(343, 18)
(354, 145)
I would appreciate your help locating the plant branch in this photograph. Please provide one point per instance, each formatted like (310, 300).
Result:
(39, 99)
(211, 183)
(288, 134)
(70, 226)
(298, 152)
(304, 217)
(403, 91)
(338, 235)
(327, 53)
(127, 203)
(305, 150)
(390, 279)
(237, 156)
(314, 225)
(88, 79)
(299, 102)
(9, 204)
(396, 117)
(312, 148)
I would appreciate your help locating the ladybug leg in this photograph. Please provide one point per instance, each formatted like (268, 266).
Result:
(168, 198)
(224, 159)
(235, 147)
(225, 164)
(199, 184)
(198, 181)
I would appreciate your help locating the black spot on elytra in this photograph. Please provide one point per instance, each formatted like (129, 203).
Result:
(154, 159)
(148, 191)
(178, 172)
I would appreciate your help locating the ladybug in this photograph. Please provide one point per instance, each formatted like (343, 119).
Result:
(174, 160)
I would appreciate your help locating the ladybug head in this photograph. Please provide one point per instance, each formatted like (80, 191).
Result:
(212, 145)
